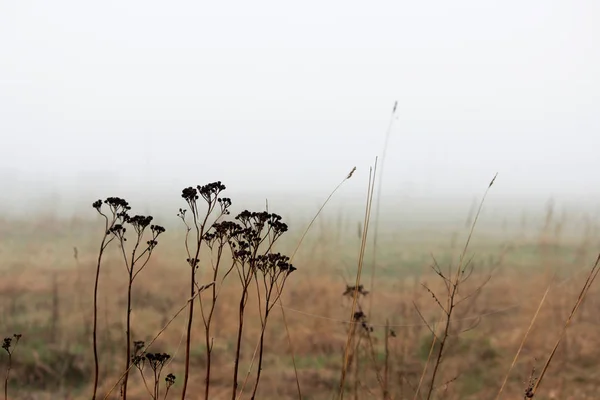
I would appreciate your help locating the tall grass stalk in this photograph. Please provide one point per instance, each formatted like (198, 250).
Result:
(370, 190)
(582, 295)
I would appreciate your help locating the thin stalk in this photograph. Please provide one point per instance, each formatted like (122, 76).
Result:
(105, 242)
(378, 205)
(524, 339)
(370, 190)
(238, 348)
(454, 292)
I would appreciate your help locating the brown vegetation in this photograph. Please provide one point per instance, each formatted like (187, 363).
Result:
(421, 331)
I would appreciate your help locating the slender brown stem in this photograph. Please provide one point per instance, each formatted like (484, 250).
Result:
(193, 265)
(95, 324)
(453, 289)
(239, 342)
(8, 368)
(208, 319)
(103, 245)
(370, 189)
(189, 331)
(386, 365)
(128, 334)
(260, 354)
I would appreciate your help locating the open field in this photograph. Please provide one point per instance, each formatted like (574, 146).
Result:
(48, 269)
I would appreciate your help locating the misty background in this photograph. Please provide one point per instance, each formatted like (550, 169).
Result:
(279, 101)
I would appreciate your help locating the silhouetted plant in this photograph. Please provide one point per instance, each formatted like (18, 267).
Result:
(216, 239)
(9, 346)
(251, 240)
(200, 224)
(156, 362)
(360, 332)
(136, 262)
(118, 211)
(274, 270)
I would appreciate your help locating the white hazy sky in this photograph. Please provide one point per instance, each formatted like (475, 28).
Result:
(286, 97)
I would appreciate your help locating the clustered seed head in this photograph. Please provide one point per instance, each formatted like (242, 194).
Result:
(351, 289)
(119, 231)
(157, 360)
(189, 194)
(7, 343)
(274, 263)
(361, 317)
(170, 379)
(140, 222)
(224, 204)
(210, 191)
(253, 225)
(193, 262)
(220, 233)
(116, 204)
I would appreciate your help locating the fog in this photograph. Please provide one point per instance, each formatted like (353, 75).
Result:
(280, 100)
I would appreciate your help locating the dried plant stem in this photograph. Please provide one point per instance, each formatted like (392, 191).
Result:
(200, 228)
(8, 368)
(319, 212)
(103, 245)
(246, 281)
(429, 355)
(531, 323)
(207, 319)
(356, 359)
(95, 321)
(128, 336)
(378, 207)
(370, 191)
(453, 283)
(132, 273)
(260, 355)
(386, 365)
(584, 290)
(188, 340)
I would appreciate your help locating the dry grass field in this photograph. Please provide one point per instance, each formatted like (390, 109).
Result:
(48, 267)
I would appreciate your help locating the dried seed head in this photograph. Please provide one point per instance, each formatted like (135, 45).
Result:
(351, 173)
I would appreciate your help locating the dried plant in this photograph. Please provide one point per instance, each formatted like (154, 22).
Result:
(274, 269)
(216, 239)
(201, 225)
(252, 238)
(136, 262)
(361, 256)
(117, 210)
(9, 345)
(156, 362)
(532, 389)
(453, 281)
